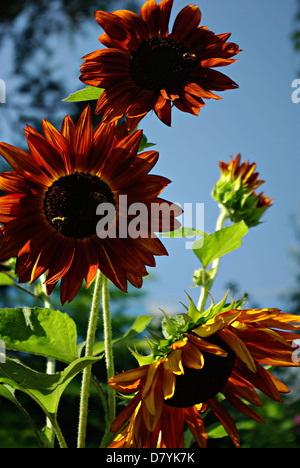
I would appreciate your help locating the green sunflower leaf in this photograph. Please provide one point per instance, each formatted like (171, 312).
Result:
(90, 93)
(184, 232)
(8, 392)
(220, 243)
(46, 390)
(216, 431)
(6, 280)
(42, 332)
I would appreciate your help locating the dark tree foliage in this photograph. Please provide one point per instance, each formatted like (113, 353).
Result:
(32, 33)
(296, 33)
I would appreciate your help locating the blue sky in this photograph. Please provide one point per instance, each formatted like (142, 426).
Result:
(259, 120)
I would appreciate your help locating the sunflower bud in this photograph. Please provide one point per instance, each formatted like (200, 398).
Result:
(235, 191)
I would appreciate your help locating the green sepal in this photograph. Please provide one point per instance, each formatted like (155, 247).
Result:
(156, 337)
(192, 311)
(235, 304)
(144, 144)
(214, 309)
(142, 360)
(172, 325)
(239, 201)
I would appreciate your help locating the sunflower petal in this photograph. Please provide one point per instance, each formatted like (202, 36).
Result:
(18, 159)
(186, 21)
(126, 414)
(129, 381)
(173, 362)
(243, 408)
(192, 357)
(226, 420)
(239, 348)
(168, 384)
(196, 426)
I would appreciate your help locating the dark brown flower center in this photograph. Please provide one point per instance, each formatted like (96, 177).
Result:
(71, 202)
(198, 386)
(161, 63)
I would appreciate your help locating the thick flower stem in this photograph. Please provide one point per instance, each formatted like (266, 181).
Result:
(59, 436)
(89, 347)
(109, 359)
(215, 266)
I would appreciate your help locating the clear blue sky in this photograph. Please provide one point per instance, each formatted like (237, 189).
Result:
(259, 120)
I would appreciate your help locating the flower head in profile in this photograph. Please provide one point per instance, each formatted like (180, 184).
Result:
(218, 357)
(236, 192)
(144, 67)
(63, 214)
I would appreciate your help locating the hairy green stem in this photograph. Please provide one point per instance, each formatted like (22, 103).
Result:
(214, 269)
(102, 396)
(89, 347)
(59, 435)
(109, 358)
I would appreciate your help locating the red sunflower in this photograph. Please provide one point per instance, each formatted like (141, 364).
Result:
(193, 371)
(55, 193)
(144, 67)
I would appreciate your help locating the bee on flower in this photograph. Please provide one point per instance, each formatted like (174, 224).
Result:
(52, 196)
(145, 67)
